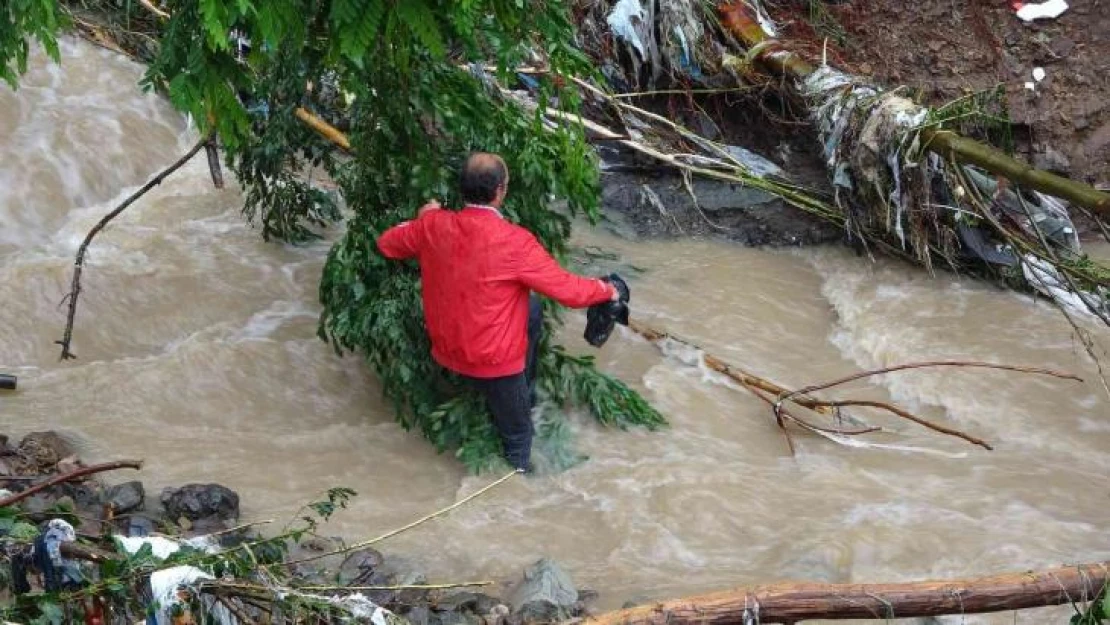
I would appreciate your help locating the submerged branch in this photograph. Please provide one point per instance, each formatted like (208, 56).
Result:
(801, 397)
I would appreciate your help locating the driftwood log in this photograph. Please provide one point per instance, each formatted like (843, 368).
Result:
(796, 602)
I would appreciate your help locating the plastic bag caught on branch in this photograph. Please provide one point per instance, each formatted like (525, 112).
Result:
(645, 44)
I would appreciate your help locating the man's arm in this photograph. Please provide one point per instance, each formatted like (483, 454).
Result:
(540, 272)
(403, 240)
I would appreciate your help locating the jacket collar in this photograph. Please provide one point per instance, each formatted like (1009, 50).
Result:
(486, 208)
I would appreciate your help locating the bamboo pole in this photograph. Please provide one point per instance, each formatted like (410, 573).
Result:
(737, 19)
(795, 602)
(326, 130)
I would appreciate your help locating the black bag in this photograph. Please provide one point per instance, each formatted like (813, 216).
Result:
(601, 318)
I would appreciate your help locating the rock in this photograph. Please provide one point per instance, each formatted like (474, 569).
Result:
(359, 566)
(498, 614)
(411, 596)
(36, 506)
(661, 206)
(319, 544)
(587, 595)
(473, 602)
(418, 615)
(44, 449)
(201, 501)
(139, 525)
(88, 495)
(452, 618)
(69, 464)
(545, 594)
(126, 497)
(1051, 160)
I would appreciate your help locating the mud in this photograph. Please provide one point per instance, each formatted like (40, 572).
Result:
(943, 50)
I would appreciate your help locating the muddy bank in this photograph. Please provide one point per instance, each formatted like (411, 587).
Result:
(57, 537)
(945, 50)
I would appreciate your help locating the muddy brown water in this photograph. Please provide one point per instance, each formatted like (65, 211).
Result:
(197, 352)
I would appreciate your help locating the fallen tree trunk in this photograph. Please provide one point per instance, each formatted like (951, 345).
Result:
(737, 19)
(796, 602)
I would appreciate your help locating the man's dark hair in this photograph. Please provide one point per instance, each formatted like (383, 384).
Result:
(481, 175)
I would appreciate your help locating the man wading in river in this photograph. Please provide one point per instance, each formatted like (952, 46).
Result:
(478, 272)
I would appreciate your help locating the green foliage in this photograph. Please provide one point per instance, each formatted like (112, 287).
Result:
(1097, 612)
(23, 19)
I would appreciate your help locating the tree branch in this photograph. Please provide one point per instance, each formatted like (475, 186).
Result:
(72, 475)
(75, 287)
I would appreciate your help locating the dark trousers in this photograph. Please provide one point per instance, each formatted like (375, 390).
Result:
(511, 398)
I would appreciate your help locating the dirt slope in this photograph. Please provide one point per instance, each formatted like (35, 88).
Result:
(944, 49)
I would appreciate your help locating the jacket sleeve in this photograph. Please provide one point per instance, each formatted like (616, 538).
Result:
(540, 272)
(401, 241)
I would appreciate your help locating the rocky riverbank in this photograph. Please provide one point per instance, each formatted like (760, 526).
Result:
(102, 520)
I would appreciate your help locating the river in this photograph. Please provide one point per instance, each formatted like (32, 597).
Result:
(197, 352)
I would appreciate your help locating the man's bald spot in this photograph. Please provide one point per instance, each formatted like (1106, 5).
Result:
(481, 176)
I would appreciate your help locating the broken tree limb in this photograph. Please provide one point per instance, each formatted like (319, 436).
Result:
(326, 130)
(737, 19)
(796, 602)
(759, 387)
(72, 475)
(79, 264)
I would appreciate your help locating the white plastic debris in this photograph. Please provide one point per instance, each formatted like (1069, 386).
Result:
(757, 165)
(1030, 85)
(621, 22)
(165, 585)
(1042, 10)
(1038, 74)
(163, 548)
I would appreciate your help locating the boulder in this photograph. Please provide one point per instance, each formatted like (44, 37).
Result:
(44, 449)
(201, 502)
(545, 594)
(126, 497)
(359, 566)
(418, 615)
(138, 525)
(473, 602)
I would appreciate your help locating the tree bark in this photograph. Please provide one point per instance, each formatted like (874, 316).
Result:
(737, 20)
(795, 602)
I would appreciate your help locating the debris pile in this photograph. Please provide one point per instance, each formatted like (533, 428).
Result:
(73, 549)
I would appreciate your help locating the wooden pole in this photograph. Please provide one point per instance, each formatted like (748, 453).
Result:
(737, 19)
(796, 602)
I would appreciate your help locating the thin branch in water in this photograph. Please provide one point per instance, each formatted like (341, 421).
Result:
(912, 417)
(938, 363)
(75, 288)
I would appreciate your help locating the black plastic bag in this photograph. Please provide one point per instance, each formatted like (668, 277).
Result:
(602, 318)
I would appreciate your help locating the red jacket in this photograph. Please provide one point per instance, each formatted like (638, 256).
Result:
(477, 271)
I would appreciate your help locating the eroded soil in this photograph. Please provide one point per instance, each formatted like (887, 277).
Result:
(944, 49)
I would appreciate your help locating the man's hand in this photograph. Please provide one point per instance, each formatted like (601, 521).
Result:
(432, 205)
